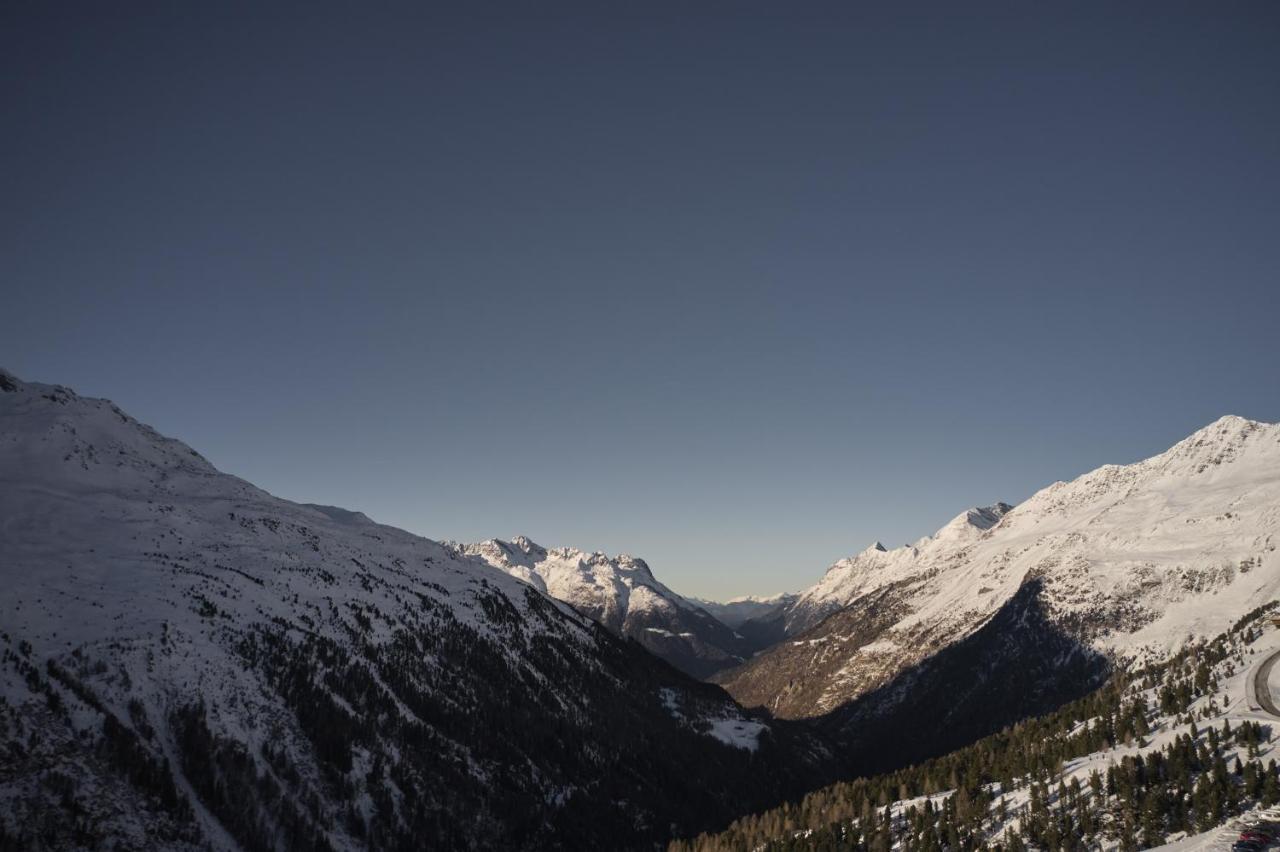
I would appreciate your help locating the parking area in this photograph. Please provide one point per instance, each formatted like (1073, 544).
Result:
(1252, 832)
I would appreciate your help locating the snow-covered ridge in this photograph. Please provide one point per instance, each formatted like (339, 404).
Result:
(1135, 560)
(876, 566)
(622, 594)
(610, 589)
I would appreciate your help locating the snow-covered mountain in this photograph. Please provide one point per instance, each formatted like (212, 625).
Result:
(852, 577)
(735, 611)
(623, 595)
(1126, 562)
(1180, 757)
(189, 662)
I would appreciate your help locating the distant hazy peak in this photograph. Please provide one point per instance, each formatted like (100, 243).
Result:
(762, 599)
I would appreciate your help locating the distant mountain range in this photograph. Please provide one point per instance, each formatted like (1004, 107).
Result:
(622, 594)
(737, 611)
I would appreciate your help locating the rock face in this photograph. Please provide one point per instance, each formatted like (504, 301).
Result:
(1124, 563)
(622, 594)
(190, 662)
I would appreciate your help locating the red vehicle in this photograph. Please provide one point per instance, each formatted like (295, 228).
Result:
(1255, 836)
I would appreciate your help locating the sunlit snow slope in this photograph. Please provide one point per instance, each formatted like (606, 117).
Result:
(1128, 561)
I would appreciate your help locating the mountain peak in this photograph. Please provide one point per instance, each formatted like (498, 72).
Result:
(876, 547)
(986, 517)
(1232, 421)
(969, 524)
(523, 542)
(1225, 428)
(1218, 443)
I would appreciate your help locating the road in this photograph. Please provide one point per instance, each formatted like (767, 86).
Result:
(1261, 690)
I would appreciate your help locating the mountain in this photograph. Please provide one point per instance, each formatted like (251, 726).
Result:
(761, 622)
(845, 581)
(736, 611)
(1006, 611)
(622, 594)
(1179, 752)
(850, 578)
(189, 662)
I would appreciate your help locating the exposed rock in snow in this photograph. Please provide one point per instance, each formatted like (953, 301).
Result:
(623, 595)
(876, 566)
(190, 662)
(1132, 561)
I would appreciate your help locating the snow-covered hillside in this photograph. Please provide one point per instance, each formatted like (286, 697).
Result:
(623, 595)
(191, 662)
(1179, 754)
(852, 577)
(1130, 561)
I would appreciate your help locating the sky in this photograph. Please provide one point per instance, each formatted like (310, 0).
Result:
(737, 288)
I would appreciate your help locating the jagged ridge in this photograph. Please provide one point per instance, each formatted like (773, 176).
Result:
(623, 595)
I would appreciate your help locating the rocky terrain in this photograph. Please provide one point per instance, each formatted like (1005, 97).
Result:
(622, 594)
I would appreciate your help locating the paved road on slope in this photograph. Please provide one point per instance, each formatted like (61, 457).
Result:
(1260, 687)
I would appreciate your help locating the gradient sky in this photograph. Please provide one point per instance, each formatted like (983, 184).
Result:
(736, 288)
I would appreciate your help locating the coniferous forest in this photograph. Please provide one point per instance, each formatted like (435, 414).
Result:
(1167, 773)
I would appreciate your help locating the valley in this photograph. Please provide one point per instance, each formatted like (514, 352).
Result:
(187, 657)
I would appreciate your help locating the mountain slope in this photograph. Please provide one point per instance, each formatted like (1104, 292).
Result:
(1176, 748)
(1126, 561)
(623, 595)
(851, 578)
(191, 662)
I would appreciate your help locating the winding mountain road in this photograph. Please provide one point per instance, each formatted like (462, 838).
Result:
(1263, 692)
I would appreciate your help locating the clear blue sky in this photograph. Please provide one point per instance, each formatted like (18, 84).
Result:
(737, 289)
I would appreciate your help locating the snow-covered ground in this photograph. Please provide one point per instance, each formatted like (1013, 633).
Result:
(345, 668)
(723, 721)
(1228, 833)
(1229, 703)
(1134, 561)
